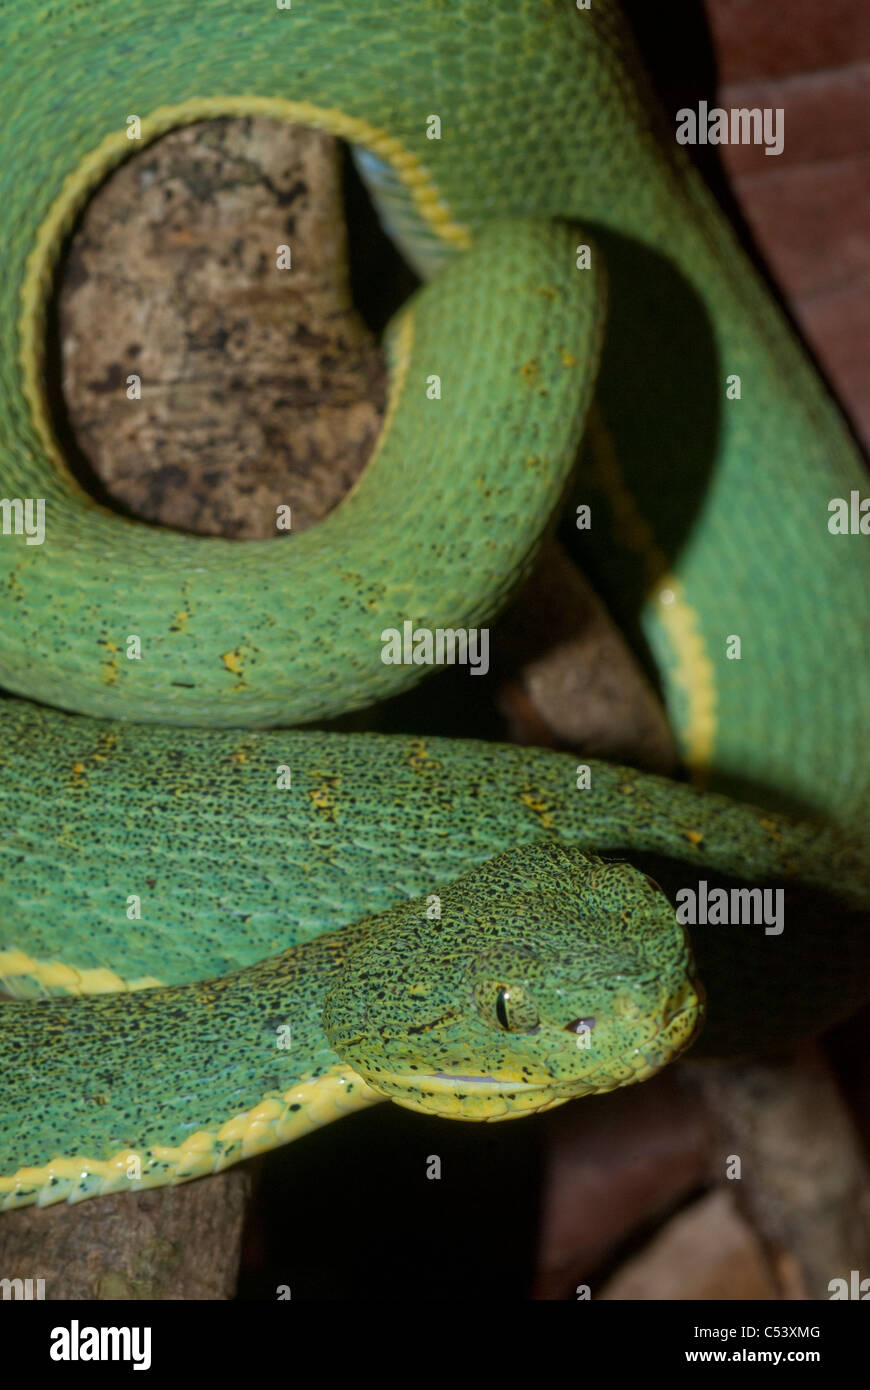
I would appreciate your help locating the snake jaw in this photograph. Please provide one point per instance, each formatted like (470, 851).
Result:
(455, 1097)
(483, 1096)
(467, 1097)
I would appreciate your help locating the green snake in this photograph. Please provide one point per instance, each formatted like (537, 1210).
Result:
(310, 922)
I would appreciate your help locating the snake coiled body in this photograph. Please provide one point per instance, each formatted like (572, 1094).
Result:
(710, 521)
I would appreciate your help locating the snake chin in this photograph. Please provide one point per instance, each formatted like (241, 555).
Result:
(461, 1097)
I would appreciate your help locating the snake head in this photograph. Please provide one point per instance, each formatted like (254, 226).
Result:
(549, 974)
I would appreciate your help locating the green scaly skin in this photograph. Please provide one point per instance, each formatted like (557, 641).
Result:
(230, 867)
(547, 114)
(405, 1001)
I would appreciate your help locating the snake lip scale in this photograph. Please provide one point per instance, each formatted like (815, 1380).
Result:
(285, 970)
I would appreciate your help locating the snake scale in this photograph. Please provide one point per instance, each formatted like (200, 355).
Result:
(217, 938)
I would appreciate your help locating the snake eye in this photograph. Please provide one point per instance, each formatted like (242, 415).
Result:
(501, 1008)
(580, 1025)
(506, 1006)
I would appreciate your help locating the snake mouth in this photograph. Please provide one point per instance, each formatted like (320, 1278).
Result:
(449, 1084)
(458, 1096)
(448, 1081)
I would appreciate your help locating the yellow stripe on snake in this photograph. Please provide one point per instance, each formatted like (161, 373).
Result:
(428, 922)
